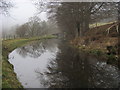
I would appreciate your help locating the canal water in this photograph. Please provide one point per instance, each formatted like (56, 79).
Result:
(53, 63)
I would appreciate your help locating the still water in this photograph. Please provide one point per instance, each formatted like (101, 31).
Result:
(55, 64)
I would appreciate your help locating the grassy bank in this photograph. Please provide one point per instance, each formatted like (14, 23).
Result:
(98, 42)
(9, 79)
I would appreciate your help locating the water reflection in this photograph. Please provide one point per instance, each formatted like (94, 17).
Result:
(28, 59)
(75, 69)
(35, 49)
(55, 64)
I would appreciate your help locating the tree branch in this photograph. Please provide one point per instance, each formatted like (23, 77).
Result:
(97, 8)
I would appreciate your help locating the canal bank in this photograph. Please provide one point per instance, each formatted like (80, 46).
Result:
(9, 79)
(100, 43)
(31, 60)
(55, 63)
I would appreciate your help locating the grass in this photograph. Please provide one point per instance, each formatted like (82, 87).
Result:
(9, 78)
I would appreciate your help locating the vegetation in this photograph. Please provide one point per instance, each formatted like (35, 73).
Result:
(33, 28)
(9, 79)
(100, 43)
(5, 6)
(74, 18)
(90, 25)
(77, 23)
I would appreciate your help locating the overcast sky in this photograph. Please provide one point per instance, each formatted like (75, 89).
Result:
(20, 13)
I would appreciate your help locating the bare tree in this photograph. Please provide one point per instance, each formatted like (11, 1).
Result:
(33, 25)
(21, 31)
(74, 18)
(5, 5)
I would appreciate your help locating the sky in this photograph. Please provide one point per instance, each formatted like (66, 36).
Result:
(20, 13)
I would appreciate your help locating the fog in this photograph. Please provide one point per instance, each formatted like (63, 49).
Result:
(20, 13)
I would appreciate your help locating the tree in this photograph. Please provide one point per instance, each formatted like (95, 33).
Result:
(5, 5)
(76, 15)
(36, 27)
(107, 12)
(21, 31)
(74, 18)
(33, 26)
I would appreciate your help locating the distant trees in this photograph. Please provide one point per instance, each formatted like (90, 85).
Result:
(36, 27)
(3, 34)
(21, 31)
(5, 5)
(33, 26)
(29, 29)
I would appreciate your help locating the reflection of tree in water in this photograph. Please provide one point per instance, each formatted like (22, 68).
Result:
(37, 48)
(74, 69)
(51, 77)
(32, 50)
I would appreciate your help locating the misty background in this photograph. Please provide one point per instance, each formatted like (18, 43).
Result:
(19, 14)
(26, 14)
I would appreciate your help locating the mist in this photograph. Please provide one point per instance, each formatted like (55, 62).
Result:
(20, 14)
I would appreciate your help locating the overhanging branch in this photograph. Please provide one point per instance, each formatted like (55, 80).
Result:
(97, 8)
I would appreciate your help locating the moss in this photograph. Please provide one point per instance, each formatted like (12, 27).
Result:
(9, 78)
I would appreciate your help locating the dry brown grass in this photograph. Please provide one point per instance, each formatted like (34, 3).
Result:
(97, 38)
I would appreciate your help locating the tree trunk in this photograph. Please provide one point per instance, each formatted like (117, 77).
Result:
(86, 26)
(78, 29)
(82, 29)
(86, 20)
